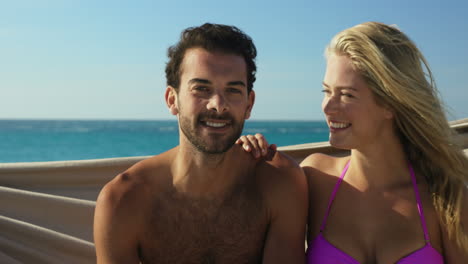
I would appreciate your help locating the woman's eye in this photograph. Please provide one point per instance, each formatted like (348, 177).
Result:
(347, 95)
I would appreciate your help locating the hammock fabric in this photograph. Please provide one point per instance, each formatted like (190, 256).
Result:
(47, 209)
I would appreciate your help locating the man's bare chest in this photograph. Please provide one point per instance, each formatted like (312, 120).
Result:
(182, 230)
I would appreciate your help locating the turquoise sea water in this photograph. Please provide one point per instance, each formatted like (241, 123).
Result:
(53, 140)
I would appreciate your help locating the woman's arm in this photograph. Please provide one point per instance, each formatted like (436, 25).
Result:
(453, 254)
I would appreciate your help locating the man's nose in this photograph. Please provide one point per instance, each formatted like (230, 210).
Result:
(217, 103)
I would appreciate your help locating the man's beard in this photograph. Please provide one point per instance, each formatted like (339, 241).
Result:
(214, 143)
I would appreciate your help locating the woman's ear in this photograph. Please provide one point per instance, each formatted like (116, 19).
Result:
(171, 100)
(388, 113)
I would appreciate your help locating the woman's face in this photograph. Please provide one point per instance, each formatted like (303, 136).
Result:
(353, 116)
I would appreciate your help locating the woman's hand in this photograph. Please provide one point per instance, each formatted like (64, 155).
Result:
(257, 145)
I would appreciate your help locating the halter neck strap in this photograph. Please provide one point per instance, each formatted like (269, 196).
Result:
(419, 204)
(332, 197)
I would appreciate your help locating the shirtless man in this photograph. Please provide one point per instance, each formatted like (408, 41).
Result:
(206, 200)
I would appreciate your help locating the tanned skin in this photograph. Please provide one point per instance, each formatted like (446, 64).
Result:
(189, 206)
(374, 216)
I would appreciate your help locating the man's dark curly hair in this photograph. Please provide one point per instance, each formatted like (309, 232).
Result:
(213, 38)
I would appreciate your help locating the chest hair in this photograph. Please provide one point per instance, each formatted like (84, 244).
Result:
(231, 229)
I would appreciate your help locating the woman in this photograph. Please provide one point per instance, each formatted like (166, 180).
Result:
(400, 197)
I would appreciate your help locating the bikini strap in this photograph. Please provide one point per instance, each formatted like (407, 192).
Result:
(332, 197)
(419, 204)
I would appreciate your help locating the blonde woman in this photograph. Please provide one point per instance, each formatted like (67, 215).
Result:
(400, 197)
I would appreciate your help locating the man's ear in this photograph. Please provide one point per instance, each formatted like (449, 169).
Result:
(251, 103)
(171, 100)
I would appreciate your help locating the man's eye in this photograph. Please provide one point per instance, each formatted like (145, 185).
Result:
(234, 90)
(326, 91)
(347, 95)
(201, 88)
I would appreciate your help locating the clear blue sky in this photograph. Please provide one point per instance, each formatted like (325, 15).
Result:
(72, 59)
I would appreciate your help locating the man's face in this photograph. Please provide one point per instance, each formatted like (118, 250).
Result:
(212, 103)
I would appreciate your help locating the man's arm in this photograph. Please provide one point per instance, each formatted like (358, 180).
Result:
(115, 228)
(286, 194)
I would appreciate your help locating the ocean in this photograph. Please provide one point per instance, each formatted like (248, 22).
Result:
(55, 140)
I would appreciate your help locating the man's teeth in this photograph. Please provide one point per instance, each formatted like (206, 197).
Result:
(339, 125)
(214, 124)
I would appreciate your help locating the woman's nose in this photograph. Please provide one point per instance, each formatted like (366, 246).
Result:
(330, 104)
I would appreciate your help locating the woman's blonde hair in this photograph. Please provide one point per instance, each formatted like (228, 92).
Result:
(400, 78)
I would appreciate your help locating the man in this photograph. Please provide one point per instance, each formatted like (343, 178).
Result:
(206, 200)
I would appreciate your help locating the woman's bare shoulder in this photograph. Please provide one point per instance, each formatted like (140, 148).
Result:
(324, 163)
(322, 171)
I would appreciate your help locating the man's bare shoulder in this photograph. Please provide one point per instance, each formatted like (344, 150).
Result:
(281, 175)
(122, 209)
(119, 197)
(280, 161)
(284, 189)
(132, 186)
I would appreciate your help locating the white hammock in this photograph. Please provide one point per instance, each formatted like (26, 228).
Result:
(47, 208)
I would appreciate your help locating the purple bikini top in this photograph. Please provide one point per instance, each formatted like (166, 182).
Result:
(320, 251)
